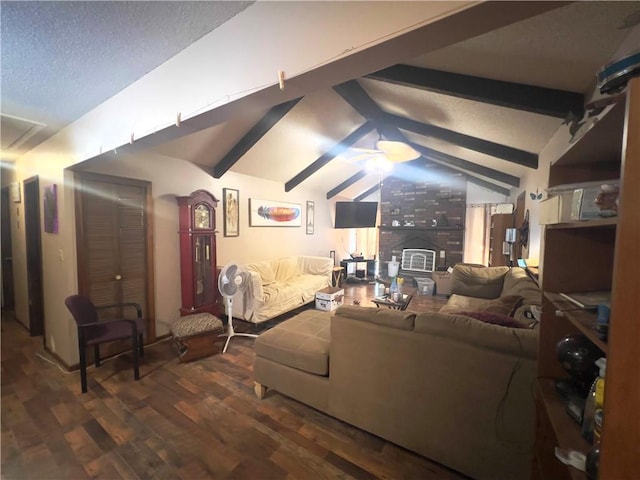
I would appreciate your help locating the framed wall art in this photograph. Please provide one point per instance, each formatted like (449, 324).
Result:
(310, 218)
(230, 206)
(51, 209)
(267, 213)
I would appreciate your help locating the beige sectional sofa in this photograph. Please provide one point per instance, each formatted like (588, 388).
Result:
(280, 285)
(452, 388)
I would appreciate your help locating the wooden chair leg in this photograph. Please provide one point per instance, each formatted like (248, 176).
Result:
(96, 354)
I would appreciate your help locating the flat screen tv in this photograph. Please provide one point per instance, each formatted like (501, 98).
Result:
(356, 214)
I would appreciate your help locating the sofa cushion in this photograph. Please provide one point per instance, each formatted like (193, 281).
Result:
(382, 316)
(480, 282)
(504, 305)
(302, 342)
(457, 303)
(495, 319)
(264, 270)
(517, 282)
(287, 268)
(461, 328)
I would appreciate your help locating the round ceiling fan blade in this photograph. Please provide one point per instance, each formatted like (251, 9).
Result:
(397, 151)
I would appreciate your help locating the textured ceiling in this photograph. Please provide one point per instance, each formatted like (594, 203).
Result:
(61, 59)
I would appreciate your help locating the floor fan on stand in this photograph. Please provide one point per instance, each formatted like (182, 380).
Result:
(232, 280)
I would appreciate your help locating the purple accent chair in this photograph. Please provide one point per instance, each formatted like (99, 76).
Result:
(92, 331)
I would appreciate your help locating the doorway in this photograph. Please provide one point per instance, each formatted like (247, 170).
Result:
(34, 255)
(8, 297)
(115, 244)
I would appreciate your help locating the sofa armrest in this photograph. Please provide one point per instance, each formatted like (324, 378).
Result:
(316, 266)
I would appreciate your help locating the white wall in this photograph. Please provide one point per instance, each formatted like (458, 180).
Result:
(478, 194)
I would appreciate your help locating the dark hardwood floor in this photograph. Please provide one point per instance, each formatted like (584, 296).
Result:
(180, 421)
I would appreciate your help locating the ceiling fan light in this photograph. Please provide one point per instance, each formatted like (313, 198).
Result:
(397, 151)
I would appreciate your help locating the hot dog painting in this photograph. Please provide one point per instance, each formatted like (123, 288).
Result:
(267, 213)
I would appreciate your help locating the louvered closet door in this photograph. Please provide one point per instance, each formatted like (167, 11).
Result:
(113, 254)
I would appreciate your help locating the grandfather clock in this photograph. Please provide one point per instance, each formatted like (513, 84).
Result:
(198, 275)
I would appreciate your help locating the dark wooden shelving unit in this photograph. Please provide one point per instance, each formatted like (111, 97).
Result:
(593, 255)
(583, 319)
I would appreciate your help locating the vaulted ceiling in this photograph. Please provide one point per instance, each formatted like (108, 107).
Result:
(485, 106)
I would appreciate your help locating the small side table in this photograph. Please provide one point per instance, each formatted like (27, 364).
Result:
(386, 301)
(336, 276)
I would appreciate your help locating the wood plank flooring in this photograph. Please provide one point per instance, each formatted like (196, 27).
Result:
(198, 420)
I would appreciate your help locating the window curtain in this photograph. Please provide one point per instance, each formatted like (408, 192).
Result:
(477, 231)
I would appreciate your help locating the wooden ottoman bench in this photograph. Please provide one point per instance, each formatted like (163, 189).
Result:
(197, 336)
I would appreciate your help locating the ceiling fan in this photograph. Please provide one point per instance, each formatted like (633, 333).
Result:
(385, 151)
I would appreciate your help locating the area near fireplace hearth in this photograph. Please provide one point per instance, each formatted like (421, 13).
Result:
(424, 218)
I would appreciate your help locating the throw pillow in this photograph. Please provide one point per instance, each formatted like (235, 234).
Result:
(495, 319)
(505, 305)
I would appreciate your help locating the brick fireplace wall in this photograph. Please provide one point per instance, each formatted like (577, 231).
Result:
(423, 208)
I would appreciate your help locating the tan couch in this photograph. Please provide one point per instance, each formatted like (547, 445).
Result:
(280, 285)
(475, 287)
(449, 387)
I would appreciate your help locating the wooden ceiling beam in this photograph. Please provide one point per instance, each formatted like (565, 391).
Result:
(273, 116)
(353, 93)
(366, 193)
(347, 183)
(511, 154)
(358, 98)
(528, 98)
(325, 158)
(450, 160)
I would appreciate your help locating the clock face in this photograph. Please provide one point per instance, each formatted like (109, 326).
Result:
(202, 217)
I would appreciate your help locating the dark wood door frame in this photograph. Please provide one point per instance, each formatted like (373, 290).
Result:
(34, 255)
(80, 176)
(8, 297)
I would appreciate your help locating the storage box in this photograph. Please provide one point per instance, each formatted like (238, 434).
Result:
(443, 282)
(329, 298)
(584, 203)
(571, 202)
(425, 286)
(556, 209)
